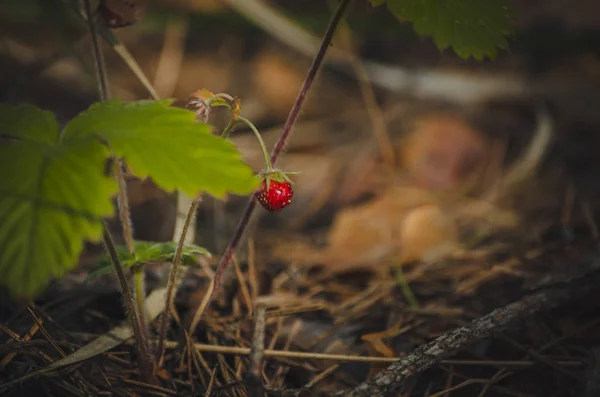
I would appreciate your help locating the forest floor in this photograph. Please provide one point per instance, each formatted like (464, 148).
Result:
(416, 213)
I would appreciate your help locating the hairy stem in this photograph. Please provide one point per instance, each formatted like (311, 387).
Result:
(127, 225)
(123, 204)
(138, 270)
(164, 321)
(129, 300)
(136, 313)
(285, 135)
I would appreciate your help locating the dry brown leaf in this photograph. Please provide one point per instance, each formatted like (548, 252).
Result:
(363, 236)
(368, 233)
(427, 234)
(444, 152)
(402, 225)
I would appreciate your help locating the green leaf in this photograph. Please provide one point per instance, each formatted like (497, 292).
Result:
(167, 144)
(28, 122)
(148, 252)
(377, 3)
(474, 28)
(52, 197)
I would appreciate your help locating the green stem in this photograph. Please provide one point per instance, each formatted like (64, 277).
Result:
(228, 129)
(130, 306)
(127, 225)
(406, 290)
(139, 287)
(260, 140)
(123, 204)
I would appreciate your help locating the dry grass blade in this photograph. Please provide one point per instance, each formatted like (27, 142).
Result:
(202, 347)
(464, 384)
(243, 287)
(7, 359)
(321, 376)
(252, 273)
(130, 61)
(124, 53)
(149, 387)
(203, 304)
(211, 384)
(39, 323)
(279, 377)
(541, 359)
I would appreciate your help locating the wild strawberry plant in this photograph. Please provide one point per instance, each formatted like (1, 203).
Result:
(55, 187)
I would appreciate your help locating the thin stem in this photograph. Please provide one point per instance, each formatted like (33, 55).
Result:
(98, 58)
(285, 135)
(260, 140)
(137, 314)
(138, 271)
(123, 205)
(127, 226)
(406, 290)
(228, 129)
(312, 73)
(130, 306)
(164, 321)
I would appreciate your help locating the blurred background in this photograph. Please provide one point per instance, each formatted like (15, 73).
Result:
(431, 188)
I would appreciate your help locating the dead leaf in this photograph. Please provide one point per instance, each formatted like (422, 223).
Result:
(363, 236)
(427, 234)
(444, 152)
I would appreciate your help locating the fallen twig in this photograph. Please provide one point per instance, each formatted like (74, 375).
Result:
(455, 340)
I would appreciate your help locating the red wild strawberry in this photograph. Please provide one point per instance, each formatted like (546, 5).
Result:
(277, 196)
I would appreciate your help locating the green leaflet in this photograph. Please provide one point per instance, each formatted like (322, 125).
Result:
(474, 28)
(52, 197)
(148, 252)
(28, 122)
(167, 144)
